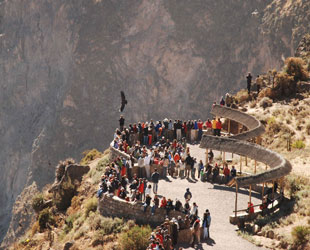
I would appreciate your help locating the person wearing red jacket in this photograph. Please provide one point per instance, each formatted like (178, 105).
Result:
(250, 209)
(141, 187)
(200, 124)
(218, 127)
(163, 202)
(226, 173)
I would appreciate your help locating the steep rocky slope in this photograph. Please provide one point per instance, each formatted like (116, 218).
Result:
(63, 64)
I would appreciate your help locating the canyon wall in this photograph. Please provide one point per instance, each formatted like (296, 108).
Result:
(63, 64)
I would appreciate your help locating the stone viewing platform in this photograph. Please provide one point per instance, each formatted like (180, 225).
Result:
(137, 152)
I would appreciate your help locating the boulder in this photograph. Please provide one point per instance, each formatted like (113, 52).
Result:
(68, 245)
(270, 234)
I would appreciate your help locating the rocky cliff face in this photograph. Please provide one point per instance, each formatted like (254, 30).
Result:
(63, 64)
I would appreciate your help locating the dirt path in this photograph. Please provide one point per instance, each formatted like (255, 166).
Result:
(219, 200)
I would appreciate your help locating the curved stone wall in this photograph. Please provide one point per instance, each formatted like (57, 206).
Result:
(236, 144)
(114, 153)
(116, 207)
(254, 126)
(279, 166)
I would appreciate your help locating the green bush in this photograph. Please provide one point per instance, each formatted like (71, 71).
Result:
(106, 225)
(298, 144)
(103, 163)
(136, 238)
(38, 202)
(69, 222)
(300, 234)
(91, 205)
(90, 155)
(271, 120)
(45, 218)
(294, 184)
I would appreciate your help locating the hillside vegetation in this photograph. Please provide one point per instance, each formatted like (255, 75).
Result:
(80, 225)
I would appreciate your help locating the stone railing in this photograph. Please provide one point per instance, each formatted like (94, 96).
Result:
(279, 166)
(254, 126)
(114, 153)
(116, 207)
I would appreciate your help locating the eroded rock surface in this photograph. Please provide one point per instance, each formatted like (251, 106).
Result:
(63, 64)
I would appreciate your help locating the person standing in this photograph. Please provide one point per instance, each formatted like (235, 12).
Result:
(188, 161)
(155, 179)
(205, 226)
(200, 169)
(121, 123)
(145, 134)
(174, 232)
(214, 127)
(200, 125)
(196, 232)
(147, 160)
(208, 222)
(249, 81)
(188, 194)
(218, 127)
(140, 167)
(179, 130)
(233, 172)
(258, 84)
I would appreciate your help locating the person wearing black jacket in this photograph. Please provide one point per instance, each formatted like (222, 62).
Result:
(121, 123)
(189, 163)
(147, 202)
(155, 179)
(187, 195)
(178, 205)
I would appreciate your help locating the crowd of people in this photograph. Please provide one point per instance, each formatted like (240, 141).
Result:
(148, 133)
(166, 235)
(140, 191)
(162, 144)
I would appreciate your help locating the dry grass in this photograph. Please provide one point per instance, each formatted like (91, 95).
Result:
(242, 96)
(89, 156)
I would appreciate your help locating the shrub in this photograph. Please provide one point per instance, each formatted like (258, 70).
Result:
(300, 234)
(285, 85)
(45, 218)
(136, 238)
(299, 144)
(242, 96)
(89, 156)
(38, 202)
(106, 225)
(62, 198)
(308, 128)
(295, 66)
(294, 184)
(69, 222)
(91, 205)
(265, 102)
(102, 163)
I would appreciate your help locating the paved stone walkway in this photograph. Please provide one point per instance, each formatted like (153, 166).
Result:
(219, 199)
